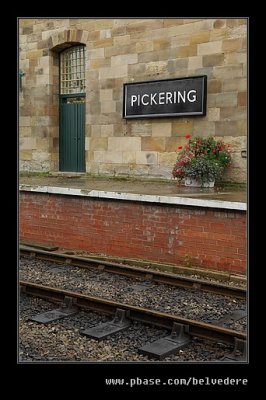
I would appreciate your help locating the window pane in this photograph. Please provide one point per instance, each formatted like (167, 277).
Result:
(72, 70)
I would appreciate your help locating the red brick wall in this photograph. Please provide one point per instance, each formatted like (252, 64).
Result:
(210, 238)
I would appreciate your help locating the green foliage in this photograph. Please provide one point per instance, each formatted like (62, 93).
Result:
(203, 159)
(203, 170)
(31, 173)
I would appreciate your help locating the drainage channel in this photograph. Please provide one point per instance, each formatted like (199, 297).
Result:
(182, 329)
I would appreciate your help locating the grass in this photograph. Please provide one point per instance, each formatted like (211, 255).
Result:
(29, 173)
(232, 185)
(227, 185)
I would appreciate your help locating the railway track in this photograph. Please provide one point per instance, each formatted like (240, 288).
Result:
(136, 272)
(181, 327)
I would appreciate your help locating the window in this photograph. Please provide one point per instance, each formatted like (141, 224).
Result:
(72, 70)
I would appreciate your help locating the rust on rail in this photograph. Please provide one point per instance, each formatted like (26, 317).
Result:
(159, 319)
(138, 272)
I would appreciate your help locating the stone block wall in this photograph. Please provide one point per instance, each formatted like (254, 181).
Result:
(131, 50)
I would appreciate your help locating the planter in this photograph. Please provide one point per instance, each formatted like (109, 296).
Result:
(196, 183)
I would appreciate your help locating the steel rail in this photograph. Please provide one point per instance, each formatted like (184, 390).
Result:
(138, 272)
(159, 319)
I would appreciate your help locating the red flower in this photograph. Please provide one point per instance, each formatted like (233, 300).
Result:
(187, 136)
(180, 147)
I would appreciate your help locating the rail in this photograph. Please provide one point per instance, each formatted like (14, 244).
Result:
(137, 272)
(159, 319)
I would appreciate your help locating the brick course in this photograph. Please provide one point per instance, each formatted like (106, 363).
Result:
(209, 238)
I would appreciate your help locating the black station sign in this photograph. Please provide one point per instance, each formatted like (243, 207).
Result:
(165, 98)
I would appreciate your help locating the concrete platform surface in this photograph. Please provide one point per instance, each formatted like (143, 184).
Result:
(136, 186)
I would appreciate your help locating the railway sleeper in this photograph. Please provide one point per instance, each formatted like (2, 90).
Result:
(239, 353)
(168, 345)
(232, 317)
(118, 324)
(68, 308)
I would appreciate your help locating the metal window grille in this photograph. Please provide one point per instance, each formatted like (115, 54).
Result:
(72, 70)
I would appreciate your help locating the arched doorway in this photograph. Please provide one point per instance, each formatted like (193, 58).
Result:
(72, 109)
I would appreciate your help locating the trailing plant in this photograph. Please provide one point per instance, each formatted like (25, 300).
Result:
(203, 159)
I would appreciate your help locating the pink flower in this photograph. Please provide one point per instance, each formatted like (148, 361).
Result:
(180, 147)
(187, 136)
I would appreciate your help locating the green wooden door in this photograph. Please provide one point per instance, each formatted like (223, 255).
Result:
(72, 134)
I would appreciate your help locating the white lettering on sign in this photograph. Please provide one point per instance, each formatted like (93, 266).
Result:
(169, 96)
(194, 96)
(152, 98)
(163, 98)
(133, 99)
(182, 97)
(144, 95)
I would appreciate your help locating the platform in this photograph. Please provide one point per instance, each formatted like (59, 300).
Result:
(145, 220)
(166, 192)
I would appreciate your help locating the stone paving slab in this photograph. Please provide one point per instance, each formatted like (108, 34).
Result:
(136, 186)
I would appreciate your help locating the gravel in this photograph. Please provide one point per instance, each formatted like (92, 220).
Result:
(192, 304)
(239, 325)
(61, 341)
(226, 280)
